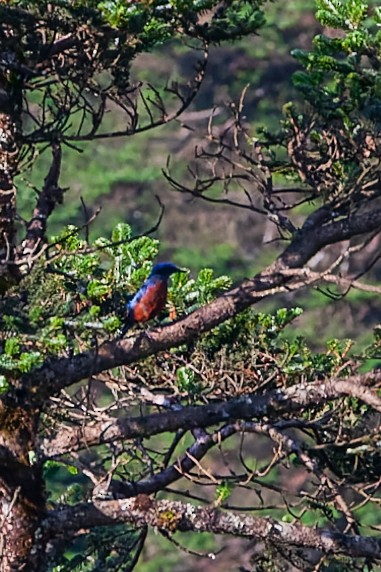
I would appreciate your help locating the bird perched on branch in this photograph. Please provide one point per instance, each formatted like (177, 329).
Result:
(151, 298)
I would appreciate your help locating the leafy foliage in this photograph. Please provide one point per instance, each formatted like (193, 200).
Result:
(341, 83)
(85, 288)
(88, 70)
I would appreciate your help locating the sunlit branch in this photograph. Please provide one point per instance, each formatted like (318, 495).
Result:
(270, 404)
(172, 516)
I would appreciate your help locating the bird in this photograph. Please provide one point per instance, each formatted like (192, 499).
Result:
(151, 297)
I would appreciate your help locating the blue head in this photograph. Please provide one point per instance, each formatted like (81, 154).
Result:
(165, 269)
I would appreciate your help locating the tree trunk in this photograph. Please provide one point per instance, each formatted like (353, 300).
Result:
(22, 499)
(10, 141)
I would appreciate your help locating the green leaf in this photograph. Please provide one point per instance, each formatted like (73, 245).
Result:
(223, 491)
(185, 378)
(29, 360)
(98, 289)
(4, 385)
(12, 346)
(7, 362)
(121, 232)
(288, 518)
(111, 324)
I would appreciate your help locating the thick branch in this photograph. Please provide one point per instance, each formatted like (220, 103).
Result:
(159, 481)
(183, 466)
(173, 516)
(272, 404)
(315, 235)
(9, 157)
(50, 196)
(63, 372)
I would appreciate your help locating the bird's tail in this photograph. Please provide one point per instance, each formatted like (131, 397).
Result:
(128, 322)
(125, 329)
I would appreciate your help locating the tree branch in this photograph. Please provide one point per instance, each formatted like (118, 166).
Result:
(316, 233)
(50, 195)
(62, 372)
(272, 404)
(172, 516)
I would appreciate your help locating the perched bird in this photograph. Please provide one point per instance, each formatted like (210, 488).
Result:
(151, 298)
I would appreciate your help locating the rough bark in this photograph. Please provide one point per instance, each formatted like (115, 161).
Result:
(48, 199)
(172, 516)
(21, 490)
(9, 151)
(20, 484)
(10, 143)
(273, 404)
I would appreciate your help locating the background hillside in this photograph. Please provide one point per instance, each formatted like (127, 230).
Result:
(122, 175)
